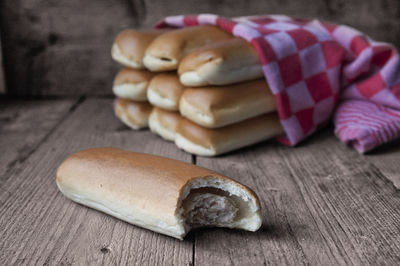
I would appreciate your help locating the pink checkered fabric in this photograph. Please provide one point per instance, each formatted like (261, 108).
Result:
(311, 65)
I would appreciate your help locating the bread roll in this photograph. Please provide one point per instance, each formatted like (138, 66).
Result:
(133, 114)
(132, 84)
(202, 141)
(214, 107)
(164, 123)
(222, 63)
(165, 52)
(160, 194)
(165, 91)
(130, 45)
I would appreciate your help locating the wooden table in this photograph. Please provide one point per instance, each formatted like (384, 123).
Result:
(323, 203)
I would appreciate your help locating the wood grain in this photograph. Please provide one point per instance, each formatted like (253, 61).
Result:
(38, 225)
(52, 49)
(352, 198)
(323, 204)
(23, 127)
(386, 159)
(43, 41)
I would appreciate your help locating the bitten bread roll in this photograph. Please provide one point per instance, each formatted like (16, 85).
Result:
(211, 142)
(214, 107)
(165, 91)
(132, 84)
(133, 114)
(164, 123)
(165, 52)
(160, 194)
(130, 45)
(222, 63)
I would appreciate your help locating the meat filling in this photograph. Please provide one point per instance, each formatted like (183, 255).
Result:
(207, 209)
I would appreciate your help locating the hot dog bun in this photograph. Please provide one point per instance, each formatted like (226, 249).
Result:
(160, 194)
(130, 45)
(132, 84)
(165, 52)
(164, 123)
(221, 63)
(165, 91)
(133, 114)
(214, 107)
(202, 141)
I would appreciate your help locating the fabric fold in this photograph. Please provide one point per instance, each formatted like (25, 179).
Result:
(319, 70)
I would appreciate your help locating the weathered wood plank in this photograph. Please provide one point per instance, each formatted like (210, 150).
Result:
(352, 198)
(43, 40)
(290, 234)
(387, 159)
(38, 225)
(323, 204)
(24, 125)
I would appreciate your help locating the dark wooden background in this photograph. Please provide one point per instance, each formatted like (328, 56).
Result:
(62, 48)
(2, 84)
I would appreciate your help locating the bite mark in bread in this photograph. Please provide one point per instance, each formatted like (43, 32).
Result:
(157, 193)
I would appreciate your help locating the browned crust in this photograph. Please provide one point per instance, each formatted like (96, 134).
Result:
(136, 112)
(132, 76)
(177, 43)
(215, 97)
(210, 138)
(153, 180)
(167, 119)
(236, 47)
(167, 85)
(133, 43)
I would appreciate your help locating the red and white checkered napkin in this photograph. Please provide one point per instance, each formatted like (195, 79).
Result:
(310, 65)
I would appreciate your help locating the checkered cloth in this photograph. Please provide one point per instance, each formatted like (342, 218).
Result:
(311, 65)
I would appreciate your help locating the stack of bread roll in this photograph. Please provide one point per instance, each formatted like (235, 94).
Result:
(199, 86)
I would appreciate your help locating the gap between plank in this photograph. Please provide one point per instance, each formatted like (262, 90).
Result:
(193, 159)
(78, 102)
